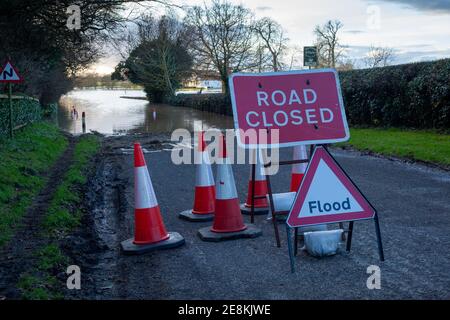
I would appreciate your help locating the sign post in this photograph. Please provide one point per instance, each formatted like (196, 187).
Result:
(11, 131)
(310, 58)
(10, 75)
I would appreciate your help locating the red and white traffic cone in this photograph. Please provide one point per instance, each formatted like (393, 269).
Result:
(298, 169)
(228, 222)
(150, 233)
(261, 205)
(205, 190)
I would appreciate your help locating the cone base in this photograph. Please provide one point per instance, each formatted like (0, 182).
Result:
(174, 240)
(258, 211)
(193, 217)
(206, 234)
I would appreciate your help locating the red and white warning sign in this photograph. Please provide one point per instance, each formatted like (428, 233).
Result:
(305, 106)
(327, 195)
(9, 74)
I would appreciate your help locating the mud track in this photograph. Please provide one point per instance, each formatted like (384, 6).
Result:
(95, 246)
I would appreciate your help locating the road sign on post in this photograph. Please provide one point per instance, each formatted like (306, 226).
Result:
(310, 58)
(9, 74)
(306, 106)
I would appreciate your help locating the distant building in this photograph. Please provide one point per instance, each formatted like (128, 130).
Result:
(210, 84)
(204, 79)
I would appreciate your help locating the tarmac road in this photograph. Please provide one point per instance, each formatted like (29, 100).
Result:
(413, 202)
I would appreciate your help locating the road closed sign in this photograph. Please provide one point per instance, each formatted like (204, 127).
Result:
(327, 195)
(305, 106)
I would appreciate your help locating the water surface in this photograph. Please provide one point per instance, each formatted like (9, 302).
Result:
(108, 113)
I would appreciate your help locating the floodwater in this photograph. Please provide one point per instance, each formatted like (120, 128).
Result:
(108, 113)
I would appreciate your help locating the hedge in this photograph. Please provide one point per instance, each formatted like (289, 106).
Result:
(217, 103)
(25, 110)
(415, 95)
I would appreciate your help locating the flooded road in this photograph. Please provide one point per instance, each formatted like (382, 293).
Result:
(108, 113)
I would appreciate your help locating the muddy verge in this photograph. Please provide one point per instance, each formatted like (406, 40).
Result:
(95, 247)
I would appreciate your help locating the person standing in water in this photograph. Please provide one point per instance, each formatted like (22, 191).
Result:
(74, 113)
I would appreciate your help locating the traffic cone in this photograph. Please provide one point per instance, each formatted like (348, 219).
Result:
(298, 169)
(228, 222)
(261, 205)
(205, 190)
(150, 233)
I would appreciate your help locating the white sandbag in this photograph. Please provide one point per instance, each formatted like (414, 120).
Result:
(319, 227)
(323, 243)
(281, 202)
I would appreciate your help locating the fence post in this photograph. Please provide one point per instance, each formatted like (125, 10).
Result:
(83, 121)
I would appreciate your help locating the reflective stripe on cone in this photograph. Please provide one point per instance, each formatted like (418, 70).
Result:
(205, 189)
(260, 185)
(149, 226)
(228, 217)
(298, 169)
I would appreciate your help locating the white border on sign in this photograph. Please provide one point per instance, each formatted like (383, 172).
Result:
(287, 144)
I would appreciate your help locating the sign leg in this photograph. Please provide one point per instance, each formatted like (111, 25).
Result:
(295, 241)
(289, 243)
(380, 244)
(349, 236)
(272, 210)
(11, 129)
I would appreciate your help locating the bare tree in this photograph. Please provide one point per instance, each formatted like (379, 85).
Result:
(263, 59)
(328, 45)
(271, 34)
(295, 57)
(46, 50)
(346, 64)
(223, 39)
(379, 57)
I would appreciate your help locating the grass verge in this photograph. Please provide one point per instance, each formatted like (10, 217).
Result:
(41, 283)
(63, 216)
(24, 162)
(419, 145)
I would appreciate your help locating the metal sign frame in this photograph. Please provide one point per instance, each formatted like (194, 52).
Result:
(349, 231)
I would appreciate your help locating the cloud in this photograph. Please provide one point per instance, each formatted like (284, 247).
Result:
(354, 31)
(430, 5)
(263, 8)
(402, 54)
(417, 55)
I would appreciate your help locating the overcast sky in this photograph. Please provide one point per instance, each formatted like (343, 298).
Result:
(417, 30)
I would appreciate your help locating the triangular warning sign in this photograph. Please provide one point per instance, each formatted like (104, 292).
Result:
(9, 74)
(327, 195)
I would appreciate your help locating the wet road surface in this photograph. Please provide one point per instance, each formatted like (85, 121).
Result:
(414, 210)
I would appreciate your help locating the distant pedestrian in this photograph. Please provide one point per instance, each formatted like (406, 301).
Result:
(74, 113)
